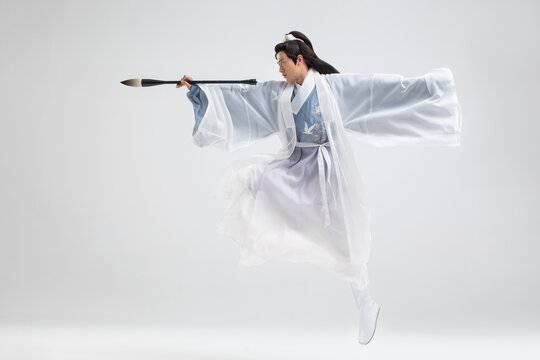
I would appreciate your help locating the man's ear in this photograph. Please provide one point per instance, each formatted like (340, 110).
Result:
(299, 58)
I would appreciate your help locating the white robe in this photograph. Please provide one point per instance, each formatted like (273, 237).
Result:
(313, 211)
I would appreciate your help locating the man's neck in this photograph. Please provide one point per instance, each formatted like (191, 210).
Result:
(304, 74)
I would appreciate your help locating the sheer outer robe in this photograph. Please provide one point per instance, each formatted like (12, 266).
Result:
(380, 109)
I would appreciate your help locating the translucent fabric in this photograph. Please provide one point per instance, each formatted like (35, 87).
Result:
(271, 212)
(391, 110)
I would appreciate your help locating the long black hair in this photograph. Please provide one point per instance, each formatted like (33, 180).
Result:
(296, 47)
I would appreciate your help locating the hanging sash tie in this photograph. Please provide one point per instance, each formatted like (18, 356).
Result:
(322, 156)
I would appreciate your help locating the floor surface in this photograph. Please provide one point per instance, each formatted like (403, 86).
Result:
(113, 342)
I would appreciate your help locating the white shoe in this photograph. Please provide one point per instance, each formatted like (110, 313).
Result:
(369, 313)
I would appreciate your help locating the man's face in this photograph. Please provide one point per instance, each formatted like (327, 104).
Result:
(287, 67)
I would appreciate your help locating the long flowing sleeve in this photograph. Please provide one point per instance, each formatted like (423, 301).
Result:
(233, 116)
(389, 110)
(200, 104)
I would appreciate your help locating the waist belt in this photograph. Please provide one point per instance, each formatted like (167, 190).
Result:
(322, 156)
(310, 144)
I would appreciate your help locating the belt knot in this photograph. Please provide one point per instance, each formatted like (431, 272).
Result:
(322, 156)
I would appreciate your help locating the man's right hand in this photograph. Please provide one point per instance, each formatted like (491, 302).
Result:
(184, 82)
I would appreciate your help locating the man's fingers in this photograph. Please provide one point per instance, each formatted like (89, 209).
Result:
(183, 81)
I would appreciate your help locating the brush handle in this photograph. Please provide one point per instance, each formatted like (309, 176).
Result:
(152, 82)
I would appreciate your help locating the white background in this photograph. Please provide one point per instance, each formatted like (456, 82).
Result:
(107, 214)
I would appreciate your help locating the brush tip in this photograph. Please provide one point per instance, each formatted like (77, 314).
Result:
(132, 82)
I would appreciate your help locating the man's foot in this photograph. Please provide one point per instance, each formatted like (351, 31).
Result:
(369, 313)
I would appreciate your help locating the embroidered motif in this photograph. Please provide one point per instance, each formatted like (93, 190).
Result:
(317, 131)
(308, 130)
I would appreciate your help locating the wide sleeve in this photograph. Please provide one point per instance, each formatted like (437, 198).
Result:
(389, 110)
(232, 116)
(200, 104)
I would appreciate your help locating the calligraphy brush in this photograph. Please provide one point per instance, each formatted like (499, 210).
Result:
(152, 82)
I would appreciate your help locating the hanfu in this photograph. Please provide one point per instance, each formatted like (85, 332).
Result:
(304, 203)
